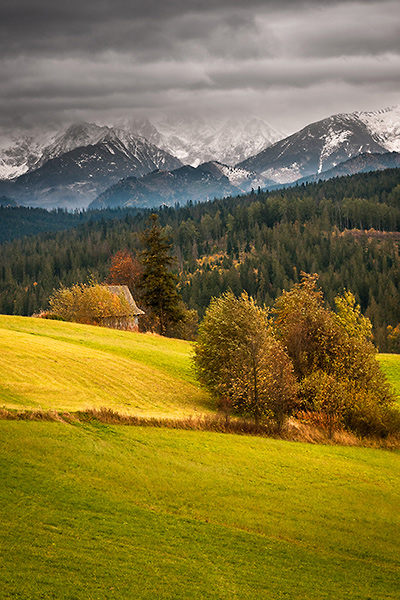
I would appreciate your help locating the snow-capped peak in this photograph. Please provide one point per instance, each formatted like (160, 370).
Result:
(384, 125)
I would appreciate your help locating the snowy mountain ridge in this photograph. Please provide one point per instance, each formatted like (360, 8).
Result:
(324, 144)
(200, 140)
(385, 125)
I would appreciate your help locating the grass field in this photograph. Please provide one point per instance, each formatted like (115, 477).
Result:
(53, 365)
(95, 511)
(127, 512)
(65, 366)
(391, 365)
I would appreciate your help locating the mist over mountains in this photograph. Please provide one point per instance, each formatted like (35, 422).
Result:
(140, 163)
(225, 140)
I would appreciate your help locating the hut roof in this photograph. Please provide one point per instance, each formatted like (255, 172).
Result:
(123, 290)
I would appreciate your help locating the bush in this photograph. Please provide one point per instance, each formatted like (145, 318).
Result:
(367, 418)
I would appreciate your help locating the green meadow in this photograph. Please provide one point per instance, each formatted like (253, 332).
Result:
(128, 512)
(96, 511)
(391, 365)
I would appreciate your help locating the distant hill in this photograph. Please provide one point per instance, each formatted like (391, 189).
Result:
(207, 181)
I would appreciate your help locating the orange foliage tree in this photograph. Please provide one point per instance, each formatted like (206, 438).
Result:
(125, 269)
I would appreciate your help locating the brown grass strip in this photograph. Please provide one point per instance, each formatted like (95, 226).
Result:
(294, 430)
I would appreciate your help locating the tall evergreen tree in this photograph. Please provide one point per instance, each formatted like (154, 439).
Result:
(158, 283)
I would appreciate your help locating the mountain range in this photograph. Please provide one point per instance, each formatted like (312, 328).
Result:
(139, 163)
(83, 161)
(327, 143)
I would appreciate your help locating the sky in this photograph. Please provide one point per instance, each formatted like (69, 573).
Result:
(287, 61)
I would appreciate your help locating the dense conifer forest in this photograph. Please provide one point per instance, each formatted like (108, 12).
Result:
(347, 230)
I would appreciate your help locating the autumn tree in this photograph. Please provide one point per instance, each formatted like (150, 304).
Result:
(125, 269)
(158, 283)
(239, 360)
(333, 357)
(90, 303)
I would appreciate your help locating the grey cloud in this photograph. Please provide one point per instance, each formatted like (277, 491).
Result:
(46, 25)
(61, 61)
(361, 30)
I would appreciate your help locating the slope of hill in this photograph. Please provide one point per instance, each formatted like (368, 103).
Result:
(53, 365)
(97, 511)
(207, 181)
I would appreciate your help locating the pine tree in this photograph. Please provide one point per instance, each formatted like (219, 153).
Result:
(158, 283)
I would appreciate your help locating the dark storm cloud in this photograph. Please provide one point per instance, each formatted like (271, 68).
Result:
(101, 59)
(74, 25)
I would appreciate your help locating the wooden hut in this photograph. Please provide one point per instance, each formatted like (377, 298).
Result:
(130, 321)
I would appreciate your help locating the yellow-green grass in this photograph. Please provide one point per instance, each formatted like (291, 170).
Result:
(391, 366)
(53, 365)
(113, 512)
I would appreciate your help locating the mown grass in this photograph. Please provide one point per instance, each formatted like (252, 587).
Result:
(65, 366)
(99, 511)
(391, 365)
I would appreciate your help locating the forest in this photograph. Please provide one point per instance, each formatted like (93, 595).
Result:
(346, 229)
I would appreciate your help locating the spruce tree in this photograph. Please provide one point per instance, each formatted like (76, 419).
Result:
(158, 283)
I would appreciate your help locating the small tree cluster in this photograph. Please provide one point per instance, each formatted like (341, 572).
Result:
(302, 356)
(88, 303)
(333, 357)
(240, 361)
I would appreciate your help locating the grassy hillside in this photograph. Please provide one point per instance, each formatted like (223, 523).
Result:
(94, 511)
(391, 365)
(53, 365)
(65, 366)
(114, 512)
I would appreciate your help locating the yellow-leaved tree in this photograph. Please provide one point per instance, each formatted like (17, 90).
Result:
(90, 303)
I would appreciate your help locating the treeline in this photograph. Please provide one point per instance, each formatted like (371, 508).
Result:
(258, 243)
(19, 221)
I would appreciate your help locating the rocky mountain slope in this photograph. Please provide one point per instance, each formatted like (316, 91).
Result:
(84, 161)
(363, 163)
(327, 143)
